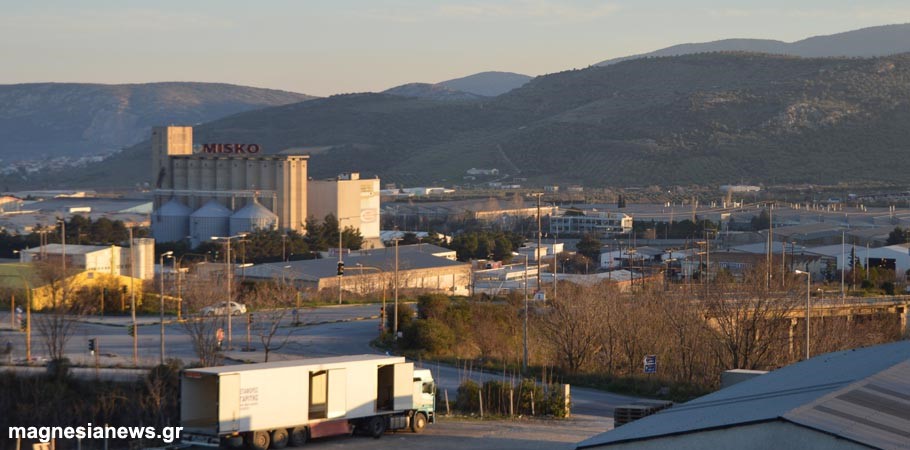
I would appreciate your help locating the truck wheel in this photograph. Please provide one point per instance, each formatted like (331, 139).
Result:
(418, 422)
(279, 438)
(257, 440)
(376, 427)
(298, 437)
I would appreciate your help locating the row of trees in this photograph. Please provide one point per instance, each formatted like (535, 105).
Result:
(79, 230)
(601, 333)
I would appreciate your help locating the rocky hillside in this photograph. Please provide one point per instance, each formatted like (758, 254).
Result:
(705, 118)
(64, 119)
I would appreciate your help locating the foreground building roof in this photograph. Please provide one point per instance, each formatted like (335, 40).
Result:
(860, 396)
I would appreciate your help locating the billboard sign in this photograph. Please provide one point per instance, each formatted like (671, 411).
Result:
(226, 148)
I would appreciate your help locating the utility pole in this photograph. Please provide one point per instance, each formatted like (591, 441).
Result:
(230, 275)
(133, 305)
(539, 234)
(161, 312)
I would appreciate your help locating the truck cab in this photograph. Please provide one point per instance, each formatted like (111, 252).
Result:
(424, 399)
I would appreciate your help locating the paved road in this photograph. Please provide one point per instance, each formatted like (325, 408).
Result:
(332, 331)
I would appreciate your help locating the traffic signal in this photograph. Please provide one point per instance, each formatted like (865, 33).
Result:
(251, 318)
(131, 330)
(340, 268)
(91, 345)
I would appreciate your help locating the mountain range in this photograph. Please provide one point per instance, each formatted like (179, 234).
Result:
(708, 117)
(471, 87)
(703, 118)
(866, 42)
(72, 119)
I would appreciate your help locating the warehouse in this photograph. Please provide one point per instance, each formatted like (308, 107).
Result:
(843, 400)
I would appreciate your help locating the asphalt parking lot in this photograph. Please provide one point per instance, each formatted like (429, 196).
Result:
(466, 433)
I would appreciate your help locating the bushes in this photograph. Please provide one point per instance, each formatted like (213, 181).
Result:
(501, 399)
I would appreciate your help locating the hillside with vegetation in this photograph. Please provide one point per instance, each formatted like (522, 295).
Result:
(704, 118)
(73, 119)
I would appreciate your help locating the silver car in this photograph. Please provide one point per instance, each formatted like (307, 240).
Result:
(221, 308)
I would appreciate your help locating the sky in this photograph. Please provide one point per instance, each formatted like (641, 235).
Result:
(340, 46)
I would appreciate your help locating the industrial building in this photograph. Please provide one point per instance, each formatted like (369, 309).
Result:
(205, 190)
(602, 223)
(352, 200)
(110, 259)
(853, 399)
(420, 268)
(219, 189)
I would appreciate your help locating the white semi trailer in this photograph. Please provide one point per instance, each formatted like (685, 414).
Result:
(272, 405)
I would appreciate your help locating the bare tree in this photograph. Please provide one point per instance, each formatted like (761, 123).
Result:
(203, 330)
(55, 324)
(274, 301)
(574, 324)
(750, 323)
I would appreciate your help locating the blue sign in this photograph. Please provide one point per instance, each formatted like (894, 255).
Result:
(650, 364)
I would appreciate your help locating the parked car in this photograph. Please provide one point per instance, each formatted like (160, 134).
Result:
(221, 308)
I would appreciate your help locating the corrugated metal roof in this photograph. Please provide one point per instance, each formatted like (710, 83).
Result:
(874, 411)
(784, 393)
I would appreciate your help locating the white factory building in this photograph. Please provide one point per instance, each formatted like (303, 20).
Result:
(219, 189)
(109, 259)
(602, 223)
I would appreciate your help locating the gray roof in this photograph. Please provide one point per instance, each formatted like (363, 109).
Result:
(861, 394)
(321, 361)
(57, 249)
(384, 259)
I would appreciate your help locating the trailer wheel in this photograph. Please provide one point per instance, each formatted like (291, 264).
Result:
(418, 422)
(298, 437)
(376, 427)
(257, 440)
(279, 438)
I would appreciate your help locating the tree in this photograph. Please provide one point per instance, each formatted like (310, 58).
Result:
(762, 221)
(56, 325)
(274, 302)
(750, 326)
(897, 236)
(589, 246)
(203, 330)
(574, 324)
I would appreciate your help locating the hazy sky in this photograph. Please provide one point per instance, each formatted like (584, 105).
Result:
(327, 47)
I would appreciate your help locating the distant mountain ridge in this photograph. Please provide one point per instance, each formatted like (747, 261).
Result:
(694, 119)
(431, 92)
(73, 119)
(488, 84)
(866, 42)
(471, 87)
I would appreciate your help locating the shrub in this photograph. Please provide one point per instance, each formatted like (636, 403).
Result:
(467, 400)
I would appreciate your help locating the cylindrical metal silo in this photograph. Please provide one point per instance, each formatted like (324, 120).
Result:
(212, 219)
(171, 222)
(253, 217)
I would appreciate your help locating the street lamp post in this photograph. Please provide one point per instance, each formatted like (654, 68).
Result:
(524, 361)
(230, 273)
(808, 289)
(169, 254)
(396, 290)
